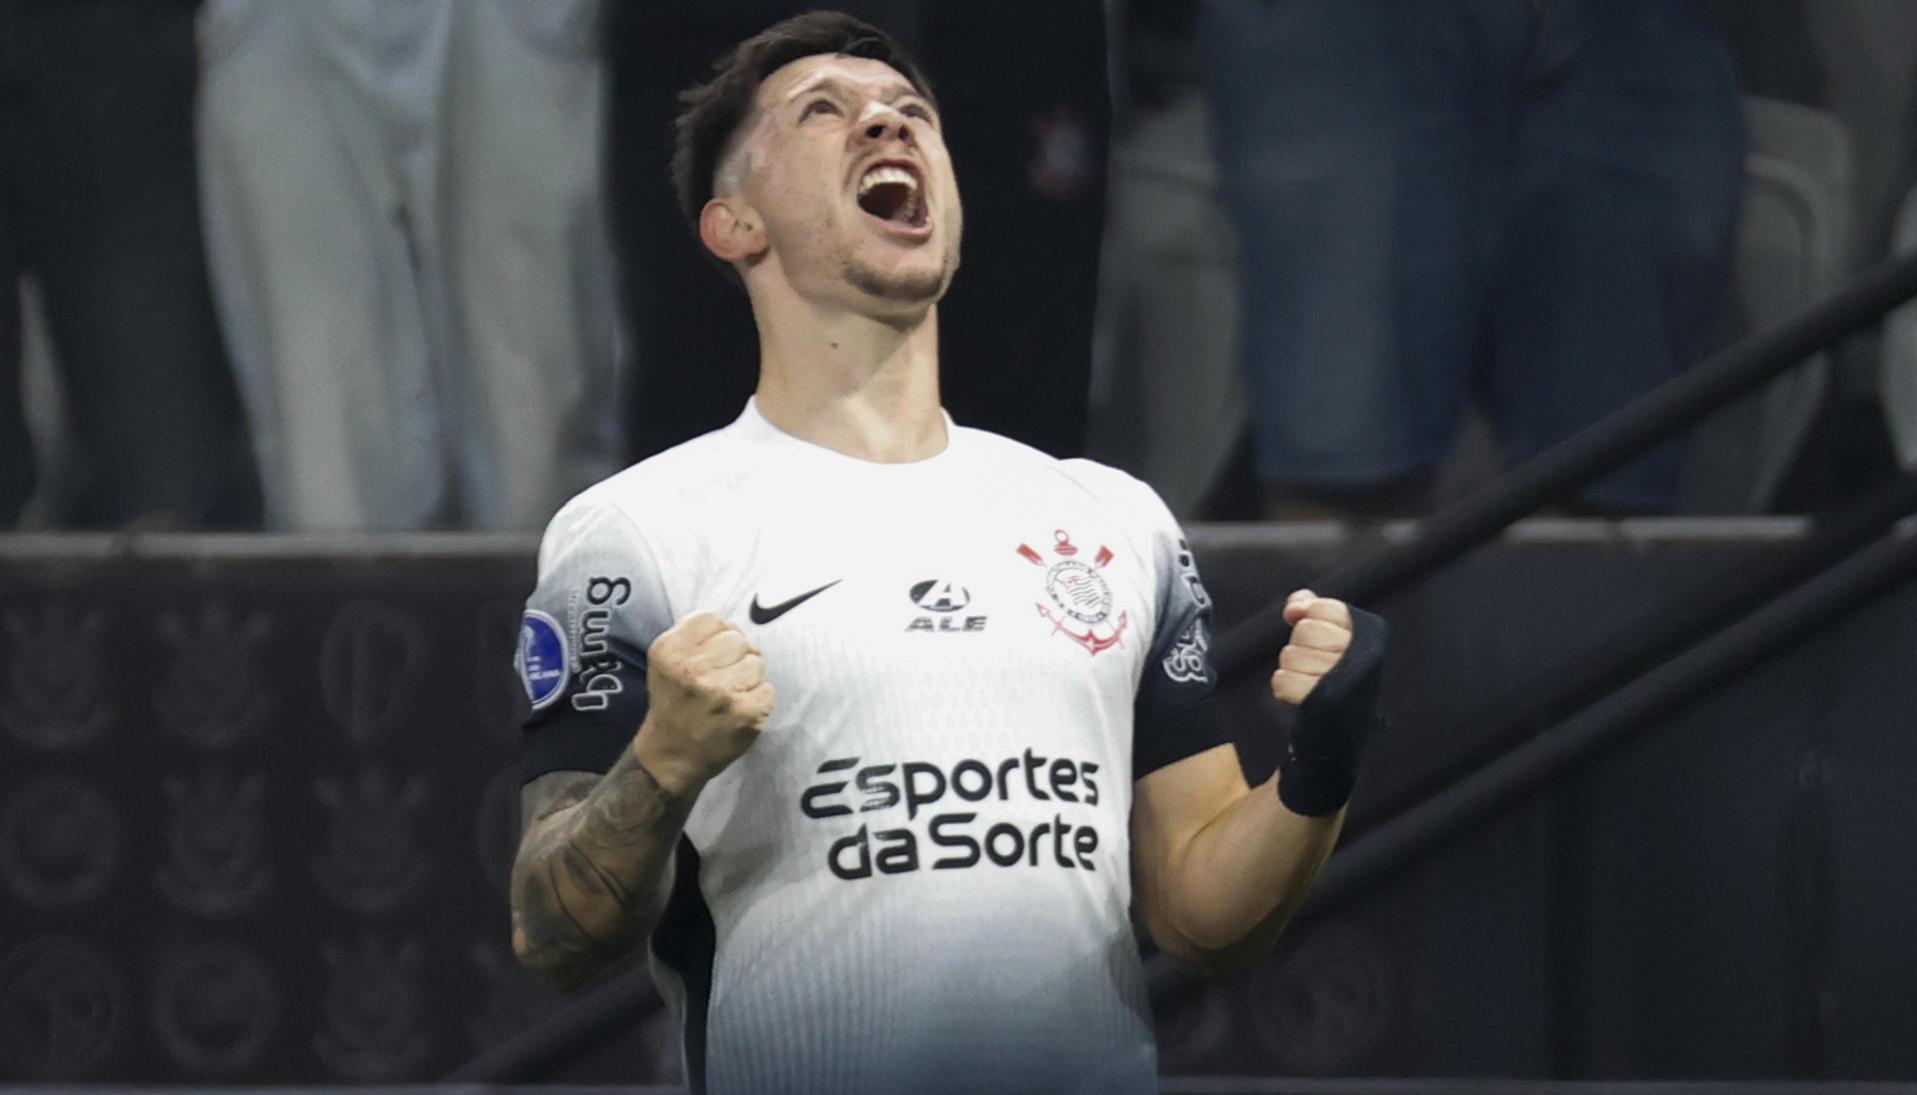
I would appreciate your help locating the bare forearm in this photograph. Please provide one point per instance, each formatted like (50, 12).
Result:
(592, 873)
(1222, 867)
(1245, 873)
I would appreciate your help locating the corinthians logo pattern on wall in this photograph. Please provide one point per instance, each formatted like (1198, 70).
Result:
(245, 827)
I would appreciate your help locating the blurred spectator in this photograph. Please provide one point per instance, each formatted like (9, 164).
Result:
(404, 216)
(1168, 400)
(98, 203)
(1026, 112)
(1530, 201)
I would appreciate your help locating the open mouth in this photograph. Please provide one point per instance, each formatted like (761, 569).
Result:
(892, 193)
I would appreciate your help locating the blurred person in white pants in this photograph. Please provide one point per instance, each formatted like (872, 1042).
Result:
(406, 231)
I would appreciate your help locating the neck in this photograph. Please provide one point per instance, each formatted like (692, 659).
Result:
(855, 384)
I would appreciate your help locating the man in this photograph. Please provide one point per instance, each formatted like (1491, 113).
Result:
(1031, 157)
(911, 870)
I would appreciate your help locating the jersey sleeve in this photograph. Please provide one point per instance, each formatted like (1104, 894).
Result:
(582, 647)
(1176, 713)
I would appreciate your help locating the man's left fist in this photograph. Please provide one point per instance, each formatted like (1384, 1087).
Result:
(1331, 671)
(1320, 635)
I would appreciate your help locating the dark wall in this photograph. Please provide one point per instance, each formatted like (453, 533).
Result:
(256, 815)
(1720, 897)
(257, 803)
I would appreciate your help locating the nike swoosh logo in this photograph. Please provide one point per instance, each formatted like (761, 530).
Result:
(765, 614)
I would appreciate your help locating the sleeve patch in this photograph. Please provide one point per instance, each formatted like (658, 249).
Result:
(544, 664)
(1186, 662)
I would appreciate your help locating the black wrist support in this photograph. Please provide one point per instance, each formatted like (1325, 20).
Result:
(1320, 764)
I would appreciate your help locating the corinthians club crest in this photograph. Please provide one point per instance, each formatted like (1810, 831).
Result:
(1080, 598)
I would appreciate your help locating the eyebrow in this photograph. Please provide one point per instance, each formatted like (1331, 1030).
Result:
(837, 90)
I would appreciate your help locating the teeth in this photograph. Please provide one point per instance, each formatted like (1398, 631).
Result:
(883, 174)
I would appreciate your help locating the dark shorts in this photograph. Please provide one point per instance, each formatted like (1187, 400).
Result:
(1529, 203)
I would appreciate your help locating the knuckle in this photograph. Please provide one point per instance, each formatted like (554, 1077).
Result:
(1323, 635)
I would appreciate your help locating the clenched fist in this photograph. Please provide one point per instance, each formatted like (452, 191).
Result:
(1320, 635)
(709, 700)
(1330, 671)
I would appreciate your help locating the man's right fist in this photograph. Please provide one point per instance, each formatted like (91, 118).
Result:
(709, 700)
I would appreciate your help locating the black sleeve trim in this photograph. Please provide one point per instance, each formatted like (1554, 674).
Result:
(597, 715)
(571, 743)
(1165, 735)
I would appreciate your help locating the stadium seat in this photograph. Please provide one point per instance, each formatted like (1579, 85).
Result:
(1813, 140)
(1792, 250)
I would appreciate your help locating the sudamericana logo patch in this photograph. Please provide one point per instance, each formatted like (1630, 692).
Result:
(543, 665)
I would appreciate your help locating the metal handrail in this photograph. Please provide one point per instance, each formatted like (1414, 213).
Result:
(1758, 637)
(1560, 691)
(1599, 448)
(1509, 779)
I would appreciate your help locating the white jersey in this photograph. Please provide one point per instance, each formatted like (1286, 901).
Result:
(918, 879)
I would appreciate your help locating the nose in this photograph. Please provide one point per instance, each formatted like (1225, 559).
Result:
(882, 123)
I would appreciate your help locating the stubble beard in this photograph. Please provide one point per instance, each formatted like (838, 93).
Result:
(914, 288)
(905, 288)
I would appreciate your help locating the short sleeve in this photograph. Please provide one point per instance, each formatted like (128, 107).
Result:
(1176, 714)
(582, 645)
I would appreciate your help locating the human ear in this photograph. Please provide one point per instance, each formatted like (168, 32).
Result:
(731, 230)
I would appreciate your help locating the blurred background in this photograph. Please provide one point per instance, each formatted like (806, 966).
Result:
(315, 311)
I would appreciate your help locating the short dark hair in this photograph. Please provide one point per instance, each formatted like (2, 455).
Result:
(713, 111)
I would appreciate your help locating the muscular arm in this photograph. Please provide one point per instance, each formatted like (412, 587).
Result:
(593, 869)
(595, 860)
(1221, 867)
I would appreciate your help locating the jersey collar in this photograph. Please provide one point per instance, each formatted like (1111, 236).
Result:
(755, 427)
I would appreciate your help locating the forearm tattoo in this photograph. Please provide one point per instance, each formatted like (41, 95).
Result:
(592, 869)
